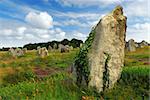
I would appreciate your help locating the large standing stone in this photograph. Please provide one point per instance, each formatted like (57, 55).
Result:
(38, 50)
(42, 52)
(63, 48)
(131, 45)
(101, 58)
(12, 52)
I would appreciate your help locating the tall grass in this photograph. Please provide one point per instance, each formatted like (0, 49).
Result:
(54, 87)
(22, 84)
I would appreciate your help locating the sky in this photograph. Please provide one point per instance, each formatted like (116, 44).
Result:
(34, 21)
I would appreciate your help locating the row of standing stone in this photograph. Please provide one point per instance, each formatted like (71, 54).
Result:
(41, 51)
(17, 52)
(131, 45)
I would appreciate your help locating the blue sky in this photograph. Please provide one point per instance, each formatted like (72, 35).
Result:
(33, 21)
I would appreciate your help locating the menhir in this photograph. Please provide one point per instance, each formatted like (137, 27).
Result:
(100, 60)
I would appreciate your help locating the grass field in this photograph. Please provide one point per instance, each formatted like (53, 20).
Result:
(32, 78)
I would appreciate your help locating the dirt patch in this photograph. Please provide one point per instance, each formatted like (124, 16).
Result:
(43, 72)
(146, 63)
(144, 60)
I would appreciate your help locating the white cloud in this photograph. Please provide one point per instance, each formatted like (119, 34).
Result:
(138, 8)
(19, 10)
(22, 35)
(83, 3)
(62, 34)
(83, 20)
(40, 20)
(17, 32)
(71, 22)
(57, 23)
(139, 32)
(84, 15)
(45, 36)
(21, 30)
(79, 35)
(139, 28)
(29, 36)
(6, 32)
(59, 34)
(19, 37)
(58, 30)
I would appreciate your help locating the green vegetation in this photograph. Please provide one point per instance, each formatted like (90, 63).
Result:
(81, 61)
(31, 59)
(54, 87)
(34, 78)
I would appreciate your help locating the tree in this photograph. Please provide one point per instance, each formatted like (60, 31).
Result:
(75, 43)
(65, 42)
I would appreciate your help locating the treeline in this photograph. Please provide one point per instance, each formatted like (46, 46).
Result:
(74, 43)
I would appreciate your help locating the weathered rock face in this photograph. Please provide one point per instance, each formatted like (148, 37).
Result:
(63, 48)
(42, 52)
(131, 45)
(101, 58)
